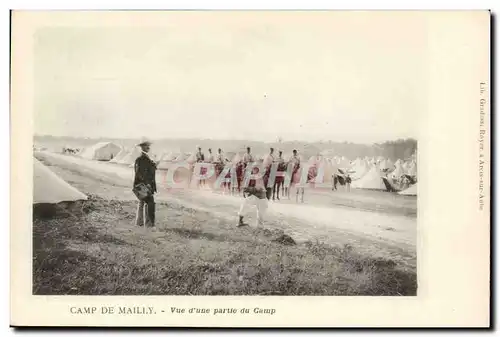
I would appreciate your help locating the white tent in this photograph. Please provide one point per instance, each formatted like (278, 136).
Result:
(343, 163)
(130, 157)
(383, 164)
(191, 159)
(398, 172)
(412, 170)
(326, 167)
(170, 156)
(356, 162)
(181, 157)
(412, 190)
(101, 151)
(371, 180)
(48, 187)
(405, 167)
(332, 163)
(360, 170)
(314, 160)
(119, 156)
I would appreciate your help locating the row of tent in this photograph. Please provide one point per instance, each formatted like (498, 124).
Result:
(376, 179)
(366, 173)
(108, 151)
(383, 174)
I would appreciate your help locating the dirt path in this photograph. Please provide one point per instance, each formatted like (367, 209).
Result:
(386, 233)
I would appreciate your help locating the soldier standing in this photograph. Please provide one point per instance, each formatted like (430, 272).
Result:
(253, 195)
(145, 175)
(248, 157)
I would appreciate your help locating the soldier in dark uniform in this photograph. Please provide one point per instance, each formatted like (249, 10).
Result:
(145, 172)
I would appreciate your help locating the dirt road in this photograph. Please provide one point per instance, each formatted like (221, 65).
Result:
(380, 224)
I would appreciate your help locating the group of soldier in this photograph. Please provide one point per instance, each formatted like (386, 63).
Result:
(248, 157)
(219, 161)
(256, 192)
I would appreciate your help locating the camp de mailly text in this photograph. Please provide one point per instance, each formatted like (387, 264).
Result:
(121, 310)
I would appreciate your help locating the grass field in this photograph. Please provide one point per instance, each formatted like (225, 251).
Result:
(93, 248)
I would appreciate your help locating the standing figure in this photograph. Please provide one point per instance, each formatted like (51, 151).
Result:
(237, 176)
(279, 181)
(145, 176)
(248, 158)
(254, 195)
(200, 158)
(219, 157)
(268, 162)
(294, 162)
(210, 157)
(348, 183)
(219, 166)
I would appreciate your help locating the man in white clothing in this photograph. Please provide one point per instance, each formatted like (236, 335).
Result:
(254, 195)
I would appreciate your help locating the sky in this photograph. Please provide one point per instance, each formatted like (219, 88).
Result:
(357, 77)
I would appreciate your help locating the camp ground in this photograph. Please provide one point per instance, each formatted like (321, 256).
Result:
(90, 208)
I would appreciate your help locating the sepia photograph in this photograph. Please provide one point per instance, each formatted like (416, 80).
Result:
(224, 168)
(251, 159)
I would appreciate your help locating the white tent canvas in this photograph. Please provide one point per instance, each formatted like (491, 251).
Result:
(49, 188)
(412, 190)
(371, 180)
(398, 172)
(405, 167)
(356, 162)
(182, 157)
(389, 164)
(101, 151)
(327, 169)
(191, 159)
(130, 157)
(360, 170)
(344, 163)
(314, 160)
(383, 164)
(412, 170)
(170, 156)
(119, 156)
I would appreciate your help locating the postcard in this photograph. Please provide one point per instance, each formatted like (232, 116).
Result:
(250, 168)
